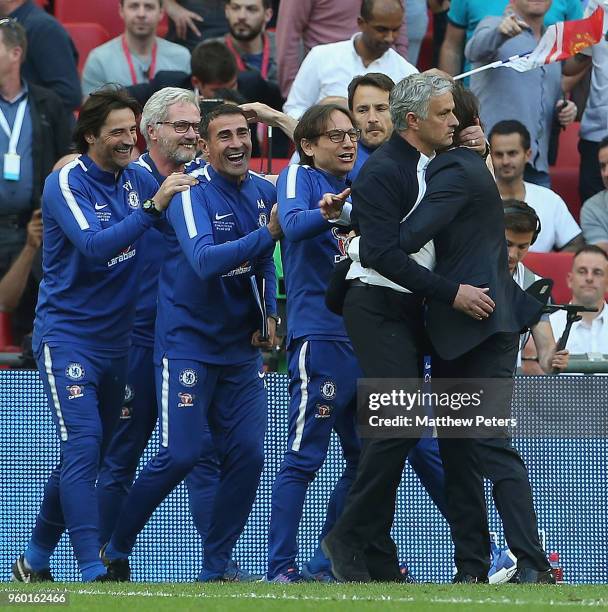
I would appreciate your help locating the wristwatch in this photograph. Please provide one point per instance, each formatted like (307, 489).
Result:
(149, 208)
(276, 317)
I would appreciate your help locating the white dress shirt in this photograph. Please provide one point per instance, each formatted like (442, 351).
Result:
(328, 69)
(583, 338)
(425, 256)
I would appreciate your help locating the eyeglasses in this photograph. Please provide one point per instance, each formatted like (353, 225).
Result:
(181, 127)
(339, 135)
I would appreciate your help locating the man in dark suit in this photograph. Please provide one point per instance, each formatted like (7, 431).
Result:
(462, 213)
(384, 319)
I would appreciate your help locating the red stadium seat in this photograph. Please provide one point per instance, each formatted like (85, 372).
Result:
(556, 267)
(425, 57)
(260, 164)
(564, 181)
(6, 335)
(568, 155)
(102, 12)
(86, 37)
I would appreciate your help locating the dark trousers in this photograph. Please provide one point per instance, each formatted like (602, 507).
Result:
(468, 461)
(589, 178)
(386, 330)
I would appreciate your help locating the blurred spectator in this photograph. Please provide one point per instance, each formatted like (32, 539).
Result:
(368, 101)
(594, 214)
(51, 56)
(593, 124)
(588, 281)
(534, 97)
(510, 150)
(15, 281)
(34, 133)
(304, 24)
(536, 348)
(253, 48)
(193, 21)
(136, 55)
(465, 15)
(417, 23)
(328, 69)
(213, 69)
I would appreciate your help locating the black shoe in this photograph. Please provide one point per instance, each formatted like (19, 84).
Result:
(528, 575)
(462, 578)
(22, 572)
(118, 569)
(347, 564)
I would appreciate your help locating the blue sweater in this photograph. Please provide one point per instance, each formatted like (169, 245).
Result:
(92, 222)
(217, 242)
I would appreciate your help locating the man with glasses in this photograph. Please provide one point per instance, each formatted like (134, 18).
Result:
(95, 209)
(34, 133)
(323, 370)
(170, 125)
(216, 309)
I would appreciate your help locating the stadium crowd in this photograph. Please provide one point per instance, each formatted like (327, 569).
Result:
(138, 246)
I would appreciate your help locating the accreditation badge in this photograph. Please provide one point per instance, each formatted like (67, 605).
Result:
(12, 167)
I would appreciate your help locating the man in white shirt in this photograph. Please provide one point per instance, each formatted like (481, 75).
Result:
(589, 282)
(510, 150)
(328, 69)
(136, 55)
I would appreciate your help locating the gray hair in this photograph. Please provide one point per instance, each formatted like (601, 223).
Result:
(157, 107)
(413, 94)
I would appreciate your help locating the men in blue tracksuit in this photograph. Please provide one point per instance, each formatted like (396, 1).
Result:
(216, 308)
(170, 122)
(94, 211)
(323, 370)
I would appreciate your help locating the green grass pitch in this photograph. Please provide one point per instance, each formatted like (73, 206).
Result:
(259, 597)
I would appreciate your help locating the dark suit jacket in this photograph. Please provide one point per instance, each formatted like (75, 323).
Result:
(463, 213)
(51, 134)
(385, 190)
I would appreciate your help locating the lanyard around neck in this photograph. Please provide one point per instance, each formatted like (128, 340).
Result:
(127, 53)
(239, 61)
(13, 135)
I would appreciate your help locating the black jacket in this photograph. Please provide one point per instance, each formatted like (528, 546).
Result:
(52, 135)
(463, 213)
(385, 190)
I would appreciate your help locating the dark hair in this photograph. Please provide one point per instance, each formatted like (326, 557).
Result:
(466, 108)
(266, 4)
(218, 111)
(591, 248)
(312, 124)
(96, 109)
(520, 217)
(367, 8)
(511, 126)
(14, 35)
(373, 79)
(160, 3)
(603, 144)
(213, 62)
